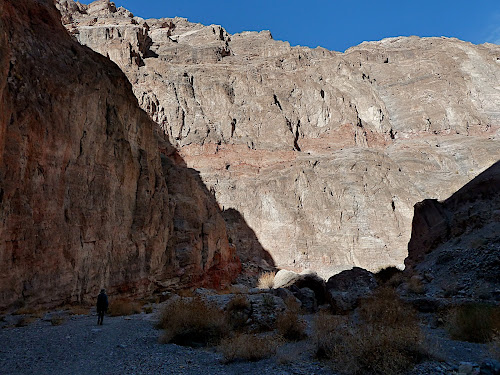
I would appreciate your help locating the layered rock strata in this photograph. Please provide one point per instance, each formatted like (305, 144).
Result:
(90, 196)
(323, 154)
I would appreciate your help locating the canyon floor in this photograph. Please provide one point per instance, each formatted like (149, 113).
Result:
(129, 345)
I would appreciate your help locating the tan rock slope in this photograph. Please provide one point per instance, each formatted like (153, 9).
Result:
(322, 153)
(90, 197)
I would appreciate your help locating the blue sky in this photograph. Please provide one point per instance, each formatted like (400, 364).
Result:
(336, 25)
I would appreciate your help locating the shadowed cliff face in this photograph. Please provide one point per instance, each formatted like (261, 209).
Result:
(90, 197)
(457, 241)
(324, 154)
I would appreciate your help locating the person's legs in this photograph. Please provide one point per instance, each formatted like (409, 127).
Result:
(100, 317)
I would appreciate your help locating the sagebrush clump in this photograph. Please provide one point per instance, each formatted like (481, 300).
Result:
(248, 347)
(124, 307)
(193, 322)
(290, 326)
(266, 280)
(238, 310)
(474, 322)
(384, 339)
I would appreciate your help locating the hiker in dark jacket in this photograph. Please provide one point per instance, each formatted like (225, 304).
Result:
(102, 306)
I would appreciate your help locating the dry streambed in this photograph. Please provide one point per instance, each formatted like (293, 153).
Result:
(59, 343)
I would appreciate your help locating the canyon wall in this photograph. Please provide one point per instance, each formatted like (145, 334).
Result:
(90, 195)
(455, 244)
(323, 154)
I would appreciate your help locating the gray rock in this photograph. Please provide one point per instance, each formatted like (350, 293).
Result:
(490, 367)
(345, 289)
(308, 299)
(285, 278)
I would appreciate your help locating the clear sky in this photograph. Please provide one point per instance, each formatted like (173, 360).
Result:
(335, 24)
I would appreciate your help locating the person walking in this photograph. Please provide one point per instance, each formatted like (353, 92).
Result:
(102, 306)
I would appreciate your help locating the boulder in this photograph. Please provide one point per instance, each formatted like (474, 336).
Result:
(308, 299)
(305, 279)
(345, 289)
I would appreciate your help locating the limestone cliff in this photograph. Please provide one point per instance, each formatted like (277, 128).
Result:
(322, 153)
(90, 196)
(455, 244)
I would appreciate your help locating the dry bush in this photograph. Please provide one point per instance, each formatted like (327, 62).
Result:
(239, 310)
(474, 322)
(25, 321)
(185, 293)
(494, 347)
(25, 311)
(124, 307)
(292, 304)
(247, 347)
(148, 309)
(290, 326)
(386, 338)
(57, 320)
(192, 322)
(266, 280)
(268, 302)
(385, 308)
(415, 285)
(78, 310)
(327, 332)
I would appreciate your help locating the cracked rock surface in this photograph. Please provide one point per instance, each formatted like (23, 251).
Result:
(322, 153)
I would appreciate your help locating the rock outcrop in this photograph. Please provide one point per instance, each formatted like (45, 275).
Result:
(90, 196)
(345, 290)
(323, 154)
(455, 244)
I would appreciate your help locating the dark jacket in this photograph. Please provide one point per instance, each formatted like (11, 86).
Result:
(102, 302)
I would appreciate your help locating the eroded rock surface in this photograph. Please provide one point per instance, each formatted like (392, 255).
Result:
(455, 244)
(322, 153)
(90, 197)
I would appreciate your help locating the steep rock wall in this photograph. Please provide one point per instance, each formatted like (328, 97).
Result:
(324, 154)
(88, 198)
(455, 243)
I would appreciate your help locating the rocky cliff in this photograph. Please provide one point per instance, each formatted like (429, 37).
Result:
(322, 153)
(455, 244)
(90, 196)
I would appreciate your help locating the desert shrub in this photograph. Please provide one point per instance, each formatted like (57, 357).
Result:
(124, 307)
(78, 310)
(415, 285)
(268, 301)
(494, 347)
(238, 311)
(25, 321)
(385, 308)
(25, 311)
(474, 322)
(385, 339)
(292, 304)
(148, 309)
(192, 322)
(290, 326)
(247, 347)
(186, 292)
(57, 320)
(266, 280)
(327, 333)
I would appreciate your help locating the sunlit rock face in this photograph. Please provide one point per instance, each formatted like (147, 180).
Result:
(90, 196)
(322, 153)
